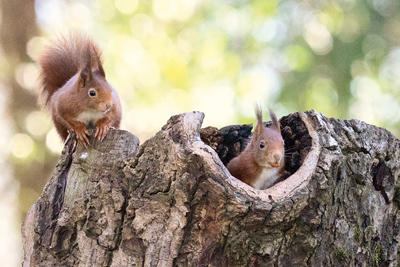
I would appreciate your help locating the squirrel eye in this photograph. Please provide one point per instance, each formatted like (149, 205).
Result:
(92, 92)
(262, 144)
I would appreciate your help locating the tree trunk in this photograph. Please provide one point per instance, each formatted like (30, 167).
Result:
(171, 201)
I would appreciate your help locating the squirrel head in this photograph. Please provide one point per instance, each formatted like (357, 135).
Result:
(92, 83)
(267, 144)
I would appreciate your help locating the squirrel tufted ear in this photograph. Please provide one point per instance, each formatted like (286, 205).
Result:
(259, 129)
(86, 72)
(99, 64)
(275, 121)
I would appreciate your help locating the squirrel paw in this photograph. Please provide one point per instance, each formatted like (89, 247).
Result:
(81, 134)
(101, 131)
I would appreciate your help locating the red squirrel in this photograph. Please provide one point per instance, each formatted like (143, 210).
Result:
(262, 161)
(74, 88)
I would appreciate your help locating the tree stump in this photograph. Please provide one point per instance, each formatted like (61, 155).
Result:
(172, 202)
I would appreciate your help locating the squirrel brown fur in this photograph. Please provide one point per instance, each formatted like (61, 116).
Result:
(262, 161)
(73, 87)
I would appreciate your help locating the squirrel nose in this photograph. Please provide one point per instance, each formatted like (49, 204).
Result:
(277, 157)
(108, 106)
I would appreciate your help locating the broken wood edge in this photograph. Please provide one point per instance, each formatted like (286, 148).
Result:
(279, 191)
(302, 176)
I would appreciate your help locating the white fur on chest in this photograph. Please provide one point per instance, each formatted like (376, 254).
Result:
(90, 117)
(266, 179)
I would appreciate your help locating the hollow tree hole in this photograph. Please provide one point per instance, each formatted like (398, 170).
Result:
(231, 140)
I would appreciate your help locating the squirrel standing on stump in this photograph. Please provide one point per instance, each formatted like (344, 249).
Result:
(262, 161)
(75, 90)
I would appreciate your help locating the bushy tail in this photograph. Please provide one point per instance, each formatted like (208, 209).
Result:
(62, 58)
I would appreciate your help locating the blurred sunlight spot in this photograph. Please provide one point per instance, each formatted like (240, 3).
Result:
(50, 13)
(233, 21)
(216, 101)
(332, 17)
(181, 97)
(141, 25)
(259, 85)
(53, 142)
(321, 93)
(148, 74)
(176, 72)
(388, 108)
(262, 8)
(363, 87)
(179, 10)
(351, 31)
(385, 7)
(165, 9)
(105, 10)
(272, 30)
(276, 59)
(21, 145)
(132, 52)
(38, 123)
(4, 94)
(211, 56)
(390, 68)
(186, 9)
(298, 58)
(233, 65)
(158, 45)
(145, 121)
(167, 107)
(188, 40)
(317, 36)
(79, 16)
(26, 75)
(138, 123)
(126, 6)
(34, 47)
(365, 90)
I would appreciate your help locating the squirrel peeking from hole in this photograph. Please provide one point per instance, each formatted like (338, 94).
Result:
(73, 87)
(262, 161)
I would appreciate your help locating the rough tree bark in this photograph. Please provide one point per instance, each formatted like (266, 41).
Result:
(171, 201)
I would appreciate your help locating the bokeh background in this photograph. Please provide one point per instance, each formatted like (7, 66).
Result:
(166, 57)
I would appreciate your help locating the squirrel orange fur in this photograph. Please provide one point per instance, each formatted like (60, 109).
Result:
(75, 90)
(262, 162)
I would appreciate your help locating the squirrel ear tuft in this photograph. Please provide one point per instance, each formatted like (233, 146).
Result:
(275, 122)
(259, 127)
(86, 72)
(99, 64)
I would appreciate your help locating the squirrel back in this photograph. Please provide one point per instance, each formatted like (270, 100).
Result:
(262, 161)
(64, 57)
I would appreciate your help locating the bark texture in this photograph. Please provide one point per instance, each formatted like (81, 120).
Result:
(172, 202)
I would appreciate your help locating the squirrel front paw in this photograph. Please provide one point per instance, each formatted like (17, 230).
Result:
(102, 130)
(81, 133)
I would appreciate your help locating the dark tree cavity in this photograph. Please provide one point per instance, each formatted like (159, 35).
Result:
(172, 202)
